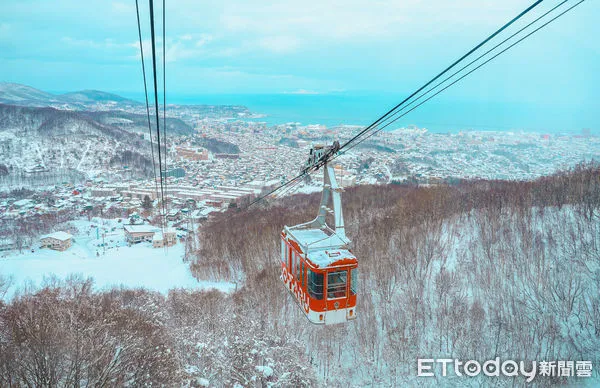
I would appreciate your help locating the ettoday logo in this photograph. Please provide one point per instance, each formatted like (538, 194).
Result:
(426, 367)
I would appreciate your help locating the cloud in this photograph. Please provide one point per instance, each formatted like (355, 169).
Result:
(279, 44)
(303, 92)
(182, 47)
(6, 33)
(355, 19)
(187, 46)
(93, 44)
(203, 39)
(124, 8)
(308, 46)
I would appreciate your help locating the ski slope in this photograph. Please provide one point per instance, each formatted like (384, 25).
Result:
(119, 265)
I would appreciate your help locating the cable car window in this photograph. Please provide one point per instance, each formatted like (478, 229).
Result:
(283, 250)
(336, 284)
(297, 267)
(294, 263)
(304, 275)
(315, 285)
(353, 281)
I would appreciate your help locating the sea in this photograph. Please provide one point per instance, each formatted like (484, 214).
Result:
(439, 115)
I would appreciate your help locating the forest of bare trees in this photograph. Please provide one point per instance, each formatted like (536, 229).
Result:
(471, 271)
(474, 271)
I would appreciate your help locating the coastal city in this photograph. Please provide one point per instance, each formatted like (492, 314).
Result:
(227, 160)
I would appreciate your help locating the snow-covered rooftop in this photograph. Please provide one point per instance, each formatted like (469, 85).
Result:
(320, 248)
(316, 239)
(328, 257)
(140, 228)
(62, 236)
(23, 202)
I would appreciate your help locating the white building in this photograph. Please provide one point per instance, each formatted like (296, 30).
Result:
(59, 241)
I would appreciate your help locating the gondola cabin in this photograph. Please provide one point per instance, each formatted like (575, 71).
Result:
(317, 265)
(321, 274)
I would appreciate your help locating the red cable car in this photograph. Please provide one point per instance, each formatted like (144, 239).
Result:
(317, 265)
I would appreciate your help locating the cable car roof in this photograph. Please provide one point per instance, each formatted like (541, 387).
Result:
(321, 249)
(316, 239)
(333, 257)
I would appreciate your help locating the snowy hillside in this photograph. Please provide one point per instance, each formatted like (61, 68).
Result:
(100, 252)
(476, 271)
(11, 92)
(138, 123)
(48, 139)
(470, 272)
(95, 96)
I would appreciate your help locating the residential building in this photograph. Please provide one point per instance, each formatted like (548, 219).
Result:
(137, 233)
(168, 238)
(192, 153)
(59, 241)
(7, 245)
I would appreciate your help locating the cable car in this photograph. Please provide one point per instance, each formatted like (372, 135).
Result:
(317, 265)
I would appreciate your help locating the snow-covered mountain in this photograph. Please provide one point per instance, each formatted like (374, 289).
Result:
(18, 94)
(95, 96)
(23, 94)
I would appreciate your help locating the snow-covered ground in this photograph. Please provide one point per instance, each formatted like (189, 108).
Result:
(114, 265)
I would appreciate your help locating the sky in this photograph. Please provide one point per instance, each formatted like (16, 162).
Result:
(301, 47)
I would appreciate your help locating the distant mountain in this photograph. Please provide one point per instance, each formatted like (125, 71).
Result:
(96, 105)
(95, 96)
(18, 94)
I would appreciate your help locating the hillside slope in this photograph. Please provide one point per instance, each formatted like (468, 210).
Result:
(95, 96)
(474, 271)
(13, 93)
(471, 272)
(51, 139)
(138, 123)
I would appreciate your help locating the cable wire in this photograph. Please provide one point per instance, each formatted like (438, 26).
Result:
(151, 2)
(505, 26)
(463, 76)
(137, 10)
(275, 189)
(385, 116)
(165, 109)
(472, 62)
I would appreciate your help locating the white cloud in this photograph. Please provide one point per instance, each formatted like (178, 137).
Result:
(6, 33)
(94, 44)
(203, 40)
(124, 8)
(279, 44)
(352, 19)
(303, 92)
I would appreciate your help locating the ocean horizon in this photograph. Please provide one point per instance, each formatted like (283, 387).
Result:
(441, 115)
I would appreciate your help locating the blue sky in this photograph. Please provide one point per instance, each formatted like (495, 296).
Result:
(310, 46)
